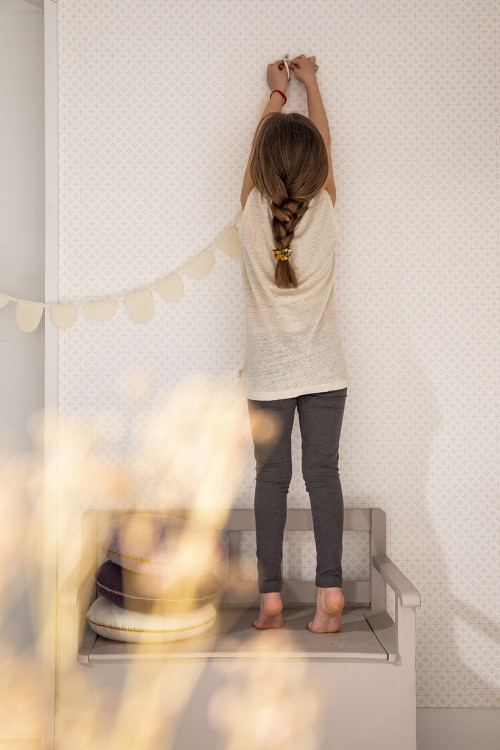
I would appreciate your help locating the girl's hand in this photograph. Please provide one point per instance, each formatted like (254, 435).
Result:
(276, 76)
(304, 68)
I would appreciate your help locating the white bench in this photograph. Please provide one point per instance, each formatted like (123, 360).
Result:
(370, 663)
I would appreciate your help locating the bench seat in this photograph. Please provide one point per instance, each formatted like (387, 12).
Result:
(364, 635)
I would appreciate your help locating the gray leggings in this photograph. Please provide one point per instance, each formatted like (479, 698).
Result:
(320, 418)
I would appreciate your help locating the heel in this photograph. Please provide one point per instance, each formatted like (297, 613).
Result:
(334, 608)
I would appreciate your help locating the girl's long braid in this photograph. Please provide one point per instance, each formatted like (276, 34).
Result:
(284, 221)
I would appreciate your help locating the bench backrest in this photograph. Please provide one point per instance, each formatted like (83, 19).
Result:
(239, 592)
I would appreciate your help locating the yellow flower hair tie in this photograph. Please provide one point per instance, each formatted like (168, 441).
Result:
(283, 254)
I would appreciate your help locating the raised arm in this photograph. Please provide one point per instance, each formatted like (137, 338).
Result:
(274, 104)
(277, 78)
(316, 110)
(316, 113)
(305, 69)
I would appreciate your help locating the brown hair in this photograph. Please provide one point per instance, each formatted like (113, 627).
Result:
(289, 165)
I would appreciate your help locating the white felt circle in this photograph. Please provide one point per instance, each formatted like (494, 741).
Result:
(120, 624)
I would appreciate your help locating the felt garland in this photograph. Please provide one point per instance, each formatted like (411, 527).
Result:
(140, 304)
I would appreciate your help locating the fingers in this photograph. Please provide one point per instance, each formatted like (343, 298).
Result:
(295, 63)
(303, 57)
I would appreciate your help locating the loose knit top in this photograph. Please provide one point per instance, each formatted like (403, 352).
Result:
(292, 339)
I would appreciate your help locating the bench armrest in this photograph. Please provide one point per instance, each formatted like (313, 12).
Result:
(69, 592)
(402, 586)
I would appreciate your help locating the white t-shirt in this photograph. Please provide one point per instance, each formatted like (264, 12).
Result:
(292, 339)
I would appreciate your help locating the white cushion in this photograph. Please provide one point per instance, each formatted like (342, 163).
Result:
(120, 624)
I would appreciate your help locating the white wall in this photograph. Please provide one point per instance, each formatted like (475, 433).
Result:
(22, 247)
(22, 207)
(153, 144)
(363, 216)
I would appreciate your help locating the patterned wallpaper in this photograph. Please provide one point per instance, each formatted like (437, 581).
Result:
(156, 117)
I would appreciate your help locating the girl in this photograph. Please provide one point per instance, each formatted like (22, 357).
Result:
(293, 350)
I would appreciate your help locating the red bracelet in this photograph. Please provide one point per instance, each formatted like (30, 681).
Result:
(279, 92)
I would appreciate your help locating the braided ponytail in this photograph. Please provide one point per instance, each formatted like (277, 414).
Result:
(284, 221)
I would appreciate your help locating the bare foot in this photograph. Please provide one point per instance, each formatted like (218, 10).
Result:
(270, 611)
(329, 606)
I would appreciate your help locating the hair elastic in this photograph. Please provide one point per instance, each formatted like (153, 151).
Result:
(283, 254)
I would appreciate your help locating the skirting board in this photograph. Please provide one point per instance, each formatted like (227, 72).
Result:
(459, 728)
